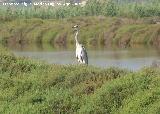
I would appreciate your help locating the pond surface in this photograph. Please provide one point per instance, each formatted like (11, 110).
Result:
(129, 58)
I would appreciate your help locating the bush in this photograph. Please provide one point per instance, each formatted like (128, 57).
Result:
(29, 86)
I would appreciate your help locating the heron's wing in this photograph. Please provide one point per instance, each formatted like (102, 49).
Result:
(84, 55)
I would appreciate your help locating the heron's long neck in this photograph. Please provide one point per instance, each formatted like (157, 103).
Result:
(76, 37)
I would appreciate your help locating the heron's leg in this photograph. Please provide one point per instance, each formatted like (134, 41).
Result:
(83, 62)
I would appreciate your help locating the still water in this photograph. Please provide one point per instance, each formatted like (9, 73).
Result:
(129, 58)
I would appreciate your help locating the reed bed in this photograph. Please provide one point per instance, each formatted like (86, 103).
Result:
(92, 8)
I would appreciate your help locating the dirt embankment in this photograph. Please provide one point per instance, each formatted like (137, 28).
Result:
(93, 31)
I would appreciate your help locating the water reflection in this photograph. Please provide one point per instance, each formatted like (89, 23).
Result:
(130, 58)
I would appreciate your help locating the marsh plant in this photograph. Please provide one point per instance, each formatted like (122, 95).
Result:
(92, 8)
(29, 86)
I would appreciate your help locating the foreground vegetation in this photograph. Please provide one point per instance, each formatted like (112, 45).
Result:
(118, 8)
(94, 31)
(29, 87)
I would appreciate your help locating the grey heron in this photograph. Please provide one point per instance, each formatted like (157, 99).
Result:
(81, 53)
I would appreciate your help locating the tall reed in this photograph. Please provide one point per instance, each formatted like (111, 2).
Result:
(92, 8)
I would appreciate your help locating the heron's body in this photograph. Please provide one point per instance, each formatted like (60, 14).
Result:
(81, 53)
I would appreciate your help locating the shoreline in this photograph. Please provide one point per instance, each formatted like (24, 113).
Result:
(101, 31)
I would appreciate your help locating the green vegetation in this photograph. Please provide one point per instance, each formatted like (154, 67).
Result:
(102, 23)
(29, 87)
(118, 8)
(94, 31)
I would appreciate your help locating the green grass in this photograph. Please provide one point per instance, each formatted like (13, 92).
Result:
(29, 86)
(94, 31)
(138, 9)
